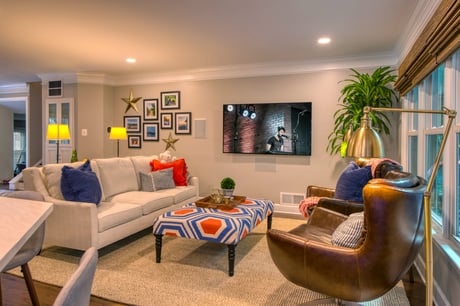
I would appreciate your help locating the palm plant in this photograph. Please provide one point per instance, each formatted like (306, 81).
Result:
(363, 90)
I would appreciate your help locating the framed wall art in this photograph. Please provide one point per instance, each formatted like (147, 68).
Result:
(132, 124)
(183, 123)
(170, 100)
(134, 141)
(150, 109)
(167, 121)
(151, 132)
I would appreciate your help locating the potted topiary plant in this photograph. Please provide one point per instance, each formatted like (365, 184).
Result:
(362, 90)
(74, 157)
(228, 185)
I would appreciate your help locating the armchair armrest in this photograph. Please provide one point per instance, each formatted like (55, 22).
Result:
(326, 218)
(318, 191)
(340, 206)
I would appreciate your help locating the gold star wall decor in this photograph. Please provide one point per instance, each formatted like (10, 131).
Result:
(170, 141)
(131, 101)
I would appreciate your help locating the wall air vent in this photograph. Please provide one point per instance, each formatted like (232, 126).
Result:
(55, 89)
(289, 198)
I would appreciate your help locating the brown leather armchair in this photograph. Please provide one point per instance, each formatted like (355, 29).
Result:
(391, 239)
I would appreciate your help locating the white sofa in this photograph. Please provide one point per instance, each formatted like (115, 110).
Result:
(123, 210)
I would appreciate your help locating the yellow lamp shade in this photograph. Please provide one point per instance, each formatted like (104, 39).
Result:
(58, 132)
(118, 133)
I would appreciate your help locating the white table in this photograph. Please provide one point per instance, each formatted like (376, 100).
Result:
(19, 219)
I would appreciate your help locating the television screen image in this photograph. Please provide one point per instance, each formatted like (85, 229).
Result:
(267, 128)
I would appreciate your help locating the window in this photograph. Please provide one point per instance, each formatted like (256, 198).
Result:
(423, 134)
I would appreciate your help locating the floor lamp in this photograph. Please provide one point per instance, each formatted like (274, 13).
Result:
(366, 143)
(118, 133)
(58, 132)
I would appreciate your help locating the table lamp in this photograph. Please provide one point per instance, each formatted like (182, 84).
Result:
(366, 143)
(58, 132)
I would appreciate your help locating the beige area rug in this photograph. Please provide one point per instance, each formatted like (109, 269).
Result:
(191, 272)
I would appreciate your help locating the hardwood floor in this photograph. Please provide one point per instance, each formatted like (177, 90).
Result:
(15, 292)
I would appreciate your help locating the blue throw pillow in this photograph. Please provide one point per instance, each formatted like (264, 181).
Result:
(351, 182)
(80, 184)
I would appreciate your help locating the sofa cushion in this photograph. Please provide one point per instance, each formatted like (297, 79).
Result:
(179, 170)
(157, 180)
(80, 184)
(349, 232)
(351, 182)
(116, 175)
(142, 164)
(111, 214)
(53, 173)
(180, 193)
(147, 201)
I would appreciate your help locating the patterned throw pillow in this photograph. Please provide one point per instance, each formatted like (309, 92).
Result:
(349, 232)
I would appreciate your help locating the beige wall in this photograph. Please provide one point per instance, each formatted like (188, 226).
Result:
(34, 124)
(255, 175)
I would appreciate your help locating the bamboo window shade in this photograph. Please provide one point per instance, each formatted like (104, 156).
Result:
(438, 40)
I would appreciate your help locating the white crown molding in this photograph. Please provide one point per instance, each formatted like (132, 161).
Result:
(14, 88)
(66, 77)
(423, 12)
(94, 78)
(224, 72)
(257, 70)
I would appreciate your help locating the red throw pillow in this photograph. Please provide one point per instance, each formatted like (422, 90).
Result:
(179, 170)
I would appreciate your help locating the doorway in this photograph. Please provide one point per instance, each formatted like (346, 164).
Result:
(13, 136)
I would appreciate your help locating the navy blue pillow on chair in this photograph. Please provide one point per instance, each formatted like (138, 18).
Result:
(351, 182)
(80, 184)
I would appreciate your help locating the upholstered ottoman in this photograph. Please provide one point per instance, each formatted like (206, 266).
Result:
(214, 225)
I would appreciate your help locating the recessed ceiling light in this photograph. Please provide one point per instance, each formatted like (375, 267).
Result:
(130, 60)
(324, 40)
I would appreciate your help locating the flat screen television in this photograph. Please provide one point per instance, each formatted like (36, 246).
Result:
(282, 128)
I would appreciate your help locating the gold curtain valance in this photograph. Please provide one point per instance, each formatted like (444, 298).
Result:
(439, 39)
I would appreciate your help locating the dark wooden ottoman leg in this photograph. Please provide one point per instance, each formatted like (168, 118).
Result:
(158, 240)
(269, 221)
(231, 259)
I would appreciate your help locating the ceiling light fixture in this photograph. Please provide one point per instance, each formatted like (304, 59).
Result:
(324, 40)
(130, 60)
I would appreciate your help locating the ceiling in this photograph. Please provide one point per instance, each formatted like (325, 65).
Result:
(165, 36)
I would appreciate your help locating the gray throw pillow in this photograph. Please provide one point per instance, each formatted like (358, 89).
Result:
(163, 179)
(146, 181)
(349, 232)
(157, 180)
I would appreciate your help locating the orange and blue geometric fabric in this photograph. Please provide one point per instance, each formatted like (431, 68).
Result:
(215, 225)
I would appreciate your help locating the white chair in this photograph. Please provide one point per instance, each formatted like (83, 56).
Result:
(77, 290)
(30, 249)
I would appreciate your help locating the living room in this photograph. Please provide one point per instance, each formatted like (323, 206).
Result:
(97, 101)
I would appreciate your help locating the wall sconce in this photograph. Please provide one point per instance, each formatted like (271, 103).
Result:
(117, 133)
(58, 132)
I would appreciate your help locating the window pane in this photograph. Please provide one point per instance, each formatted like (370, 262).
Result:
(65, 118)
(433, 143)
(414, 103)
(413, 154)
(437, 95)
(52, 113)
